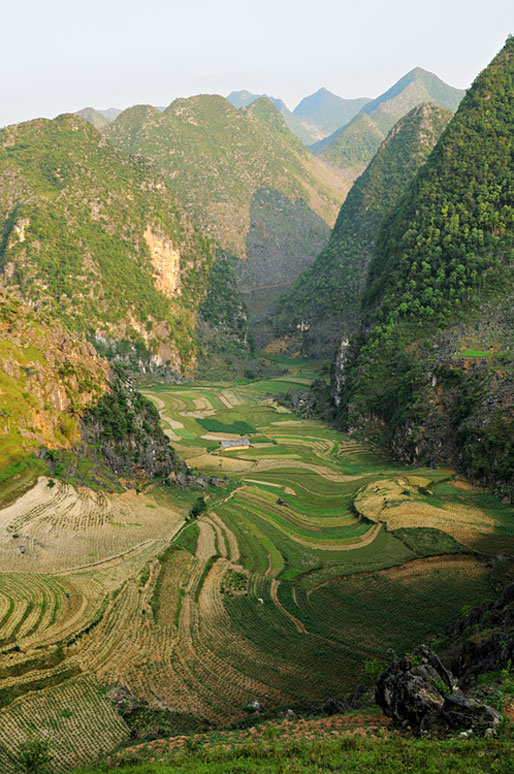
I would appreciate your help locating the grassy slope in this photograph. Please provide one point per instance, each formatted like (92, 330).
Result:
(349, 754)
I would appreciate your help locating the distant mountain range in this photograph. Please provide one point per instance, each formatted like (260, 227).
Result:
(351, 147)
(324, 112)
(242, 99)
(321, 118)
(314, 117)
(240, 167)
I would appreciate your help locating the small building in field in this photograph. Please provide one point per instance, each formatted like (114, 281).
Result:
(239, 443)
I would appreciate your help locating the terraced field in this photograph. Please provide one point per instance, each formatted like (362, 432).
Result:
(316, 554)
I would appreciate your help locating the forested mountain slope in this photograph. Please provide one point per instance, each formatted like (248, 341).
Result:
(325, 301)
(434, 361)
(96, 239)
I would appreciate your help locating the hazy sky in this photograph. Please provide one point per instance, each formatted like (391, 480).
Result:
(62, 55)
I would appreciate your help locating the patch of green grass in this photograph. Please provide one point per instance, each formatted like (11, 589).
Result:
(188, 538)
(350, 754)
(19, 476)
(476, 353)
(239, 427)
(428, 542)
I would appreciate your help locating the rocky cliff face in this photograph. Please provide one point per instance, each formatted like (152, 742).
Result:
(60, 401)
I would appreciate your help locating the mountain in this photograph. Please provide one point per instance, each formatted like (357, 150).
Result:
(243, 98)
(433, 364)
(94, 117)
(97, 240)
(415, 87)
(351, 147)
(99, 118)
(325, 301)
(324, 112)
(110, 113)
(246, 179)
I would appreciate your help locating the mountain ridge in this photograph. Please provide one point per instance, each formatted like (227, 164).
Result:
(352, 146)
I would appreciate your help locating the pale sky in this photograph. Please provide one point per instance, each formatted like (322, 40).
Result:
(61, 55)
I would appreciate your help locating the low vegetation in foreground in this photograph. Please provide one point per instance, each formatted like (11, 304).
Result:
(351, 754)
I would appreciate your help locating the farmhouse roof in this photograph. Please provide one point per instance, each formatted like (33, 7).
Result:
(237, 442)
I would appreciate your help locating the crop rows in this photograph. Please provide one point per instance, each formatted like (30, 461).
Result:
(30, 604)
(61, 715)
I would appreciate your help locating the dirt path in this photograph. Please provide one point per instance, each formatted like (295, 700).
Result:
(232, 542)
(274, 596)
(206, 546)
(285, 489)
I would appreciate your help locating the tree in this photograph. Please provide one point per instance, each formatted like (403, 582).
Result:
(34, 757)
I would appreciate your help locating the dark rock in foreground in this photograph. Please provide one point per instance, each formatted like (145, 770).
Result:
(419, 691)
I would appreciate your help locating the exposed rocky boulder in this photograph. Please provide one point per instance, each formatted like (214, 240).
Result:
(419, 691)
(412, 689)
(459, 711)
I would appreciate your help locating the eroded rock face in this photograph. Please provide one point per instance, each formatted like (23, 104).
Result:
(166, 262)
(419, 691)
(413, 687)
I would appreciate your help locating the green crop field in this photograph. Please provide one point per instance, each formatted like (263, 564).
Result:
(316, 553)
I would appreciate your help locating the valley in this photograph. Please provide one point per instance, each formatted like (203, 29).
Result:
(257, 427)
(307, 545)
